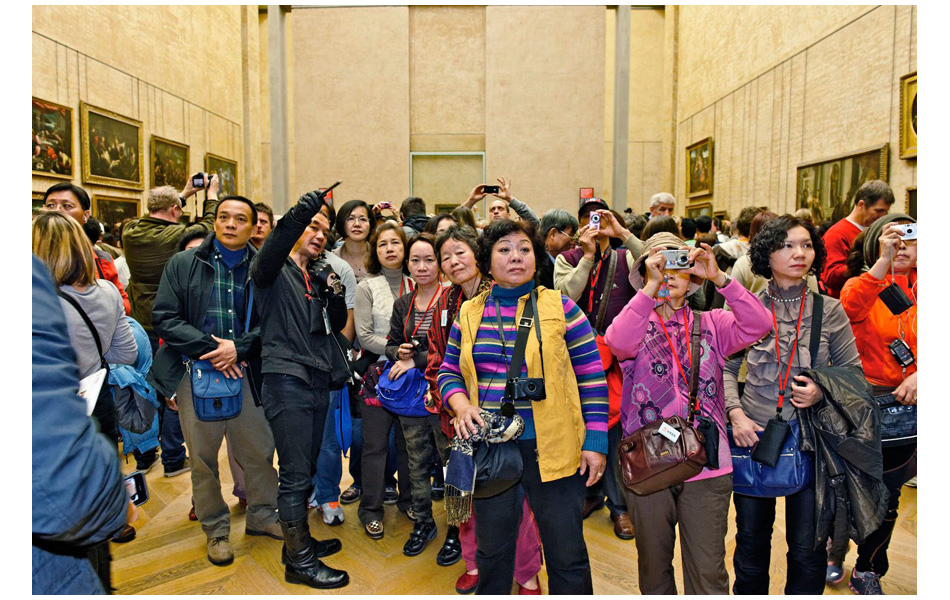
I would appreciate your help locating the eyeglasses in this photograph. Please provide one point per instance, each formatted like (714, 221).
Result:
(360, 220)
(909, 242)
(565, 234)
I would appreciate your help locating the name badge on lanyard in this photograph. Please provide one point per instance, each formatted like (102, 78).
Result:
(445, 316)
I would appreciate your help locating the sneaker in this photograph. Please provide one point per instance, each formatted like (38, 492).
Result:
(391, 496)
(147, 461)
(350, 495)
(219, 551)
(834, 573)
(312, 502)
(332, 513)
(179, 468)
(865, 584)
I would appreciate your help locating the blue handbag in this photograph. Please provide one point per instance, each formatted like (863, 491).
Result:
(794, 471)
(406, 395)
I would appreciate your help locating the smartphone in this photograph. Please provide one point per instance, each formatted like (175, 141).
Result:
(135, 486)
(491, 189)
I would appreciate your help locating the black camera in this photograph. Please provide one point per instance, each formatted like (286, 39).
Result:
(198, 180)
(527, 388)
(328, 282)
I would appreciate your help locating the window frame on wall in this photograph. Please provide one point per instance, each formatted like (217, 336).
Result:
(412, 155)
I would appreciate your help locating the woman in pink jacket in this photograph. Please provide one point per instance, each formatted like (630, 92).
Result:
(651, 337)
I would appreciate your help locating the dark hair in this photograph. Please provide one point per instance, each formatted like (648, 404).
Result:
(463, 233)
(855, 260)
(433, 223)
(717, 222)
(427, 238)
(77, 191)
(188, 236)
(759, 221)
(658, 224)
(773, 236)
(412, 206)
(708, 238)
(373, 266)
(346, 210)
(744, 222)
(872, 192)
(499, 229)
(92, 230)
(238, 199)
(261, 207)
(635, 224)
(556, 218)
(688, 228)
(464, 215)
(704, 224)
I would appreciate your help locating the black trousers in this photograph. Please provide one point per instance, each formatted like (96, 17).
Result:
(900, 465)
(297, 411)
(755, 518)
(377, 422)
(557, 507)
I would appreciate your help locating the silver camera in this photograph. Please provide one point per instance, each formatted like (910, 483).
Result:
(908, 231)
(676, 259)
(594, 220)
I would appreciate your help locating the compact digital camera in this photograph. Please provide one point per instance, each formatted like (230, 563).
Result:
(676, 259)
(525, 388)
(594, 222)
(908, 231)
(198, 180)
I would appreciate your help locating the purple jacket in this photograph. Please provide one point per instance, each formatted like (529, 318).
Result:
(653, 386)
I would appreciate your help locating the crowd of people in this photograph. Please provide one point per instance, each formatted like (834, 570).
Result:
(499, 365)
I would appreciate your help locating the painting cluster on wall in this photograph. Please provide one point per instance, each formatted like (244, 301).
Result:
(111, 152)
(827, 187)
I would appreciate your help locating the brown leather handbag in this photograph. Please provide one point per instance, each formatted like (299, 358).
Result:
(649, 460)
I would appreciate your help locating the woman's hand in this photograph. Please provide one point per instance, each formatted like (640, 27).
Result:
(906, 392)
(399, 368)
(467, 420)
(406, 351)
(806, 395)
(705, 264)
(595, 463)
(654, 276)
(743, 429)
(610, 227)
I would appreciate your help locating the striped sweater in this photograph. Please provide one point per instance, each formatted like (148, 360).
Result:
(492, 357)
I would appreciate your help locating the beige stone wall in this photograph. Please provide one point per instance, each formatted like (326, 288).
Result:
(791, 95)
(157, 64)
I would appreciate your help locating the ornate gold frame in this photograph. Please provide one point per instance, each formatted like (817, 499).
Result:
(72, 156)
(907, 201)
(690, 193)
(98, 198)
(87, 176)
(908, 136)
(694, 209)
(208, 158)
(151, 158)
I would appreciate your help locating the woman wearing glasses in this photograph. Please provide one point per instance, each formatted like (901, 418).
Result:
(354, 226)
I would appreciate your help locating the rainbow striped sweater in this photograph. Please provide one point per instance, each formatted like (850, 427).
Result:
(492, 357)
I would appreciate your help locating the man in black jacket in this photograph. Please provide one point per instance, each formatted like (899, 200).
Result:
(300, 307)
(200, 313)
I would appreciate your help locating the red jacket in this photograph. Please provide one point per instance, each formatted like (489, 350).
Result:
(838, 242)
(106, 268)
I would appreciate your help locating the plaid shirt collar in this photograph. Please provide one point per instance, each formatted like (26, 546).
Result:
(223, 310)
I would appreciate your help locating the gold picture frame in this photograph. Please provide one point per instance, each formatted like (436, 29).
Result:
(38, 201)
(113, 209)
(721, 214)
(908, 135)
(111, 148)
(169, 163)
(52, 140)
(445, 208)
(910, 202)
(699, 169)
(699, 209)
(827, 187)
(226, 170)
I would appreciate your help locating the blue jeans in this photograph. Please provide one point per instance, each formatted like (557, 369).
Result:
(172, 439)
(326, 481)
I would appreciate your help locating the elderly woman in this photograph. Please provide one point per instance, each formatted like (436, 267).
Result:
(653, 334)
(785, 252)
(564, 439)
(880, 257)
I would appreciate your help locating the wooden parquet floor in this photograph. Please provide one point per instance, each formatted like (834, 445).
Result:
(168, 553)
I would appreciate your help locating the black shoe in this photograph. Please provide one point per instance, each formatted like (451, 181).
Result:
(303, 566)
(451, 550)
(127, 534)
(391, 496)
(147, 460)
(422, 534)
(350, 495)
(438, 493)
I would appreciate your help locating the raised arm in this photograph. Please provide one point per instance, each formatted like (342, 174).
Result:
(273, 254)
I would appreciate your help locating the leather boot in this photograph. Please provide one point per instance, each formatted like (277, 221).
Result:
(303, 566)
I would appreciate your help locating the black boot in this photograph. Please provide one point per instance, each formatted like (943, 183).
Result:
(303, 566)
(451, 550)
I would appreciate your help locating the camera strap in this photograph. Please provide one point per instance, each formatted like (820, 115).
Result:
(695, 343)
(605, 296)
(525, 322)
(817, 313)
(88, 322)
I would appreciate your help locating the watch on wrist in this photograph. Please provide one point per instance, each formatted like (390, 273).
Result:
(726, 281)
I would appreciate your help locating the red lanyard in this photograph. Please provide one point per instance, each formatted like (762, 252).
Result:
(778, 353)
(402, 283)
(593, 284)
(306, 281)
(670, 340)
(412, 307)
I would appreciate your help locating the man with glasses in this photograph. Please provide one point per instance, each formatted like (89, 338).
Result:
(557, 228)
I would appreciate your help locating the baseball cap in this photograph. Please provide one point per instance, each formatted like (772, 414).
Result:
(589, 204)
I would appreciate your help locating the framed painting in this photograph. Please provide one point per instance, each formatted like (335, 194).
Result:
(910, 202)
(111, 148)
(909, 116)
(445, 208)
(721, 214)
(699, 169)
(226, 170)
(586, 193)
(37, 202)
(52, 139)
(169, 163)
(699, 210)
(827, 187)
(111, 209)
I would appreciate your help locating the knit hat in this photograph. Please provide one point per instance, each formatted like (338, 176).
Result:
(872, 247)
(664, 240)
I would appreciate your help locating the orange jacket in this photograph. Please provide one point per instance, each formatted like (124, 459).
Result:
(875, 327)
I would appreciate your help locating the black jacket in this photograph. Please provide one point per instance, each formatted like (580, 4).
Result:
(845, 432)
(401, 324)
(287, 340)
(181, 305)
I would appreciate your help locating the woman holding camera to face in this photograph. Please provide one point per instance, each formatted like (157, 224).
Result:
(564, 439)
(880, 258)
(654, 332)
(785, 251)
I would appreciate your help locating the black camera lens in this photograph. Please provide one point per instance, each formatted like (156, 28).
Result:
(682, 260)
(531, 387)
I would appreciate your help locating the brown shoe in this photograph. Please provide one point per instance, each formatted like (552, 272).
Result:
(270, 529)
(623, 527)
(219, 551)
(590, 505)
